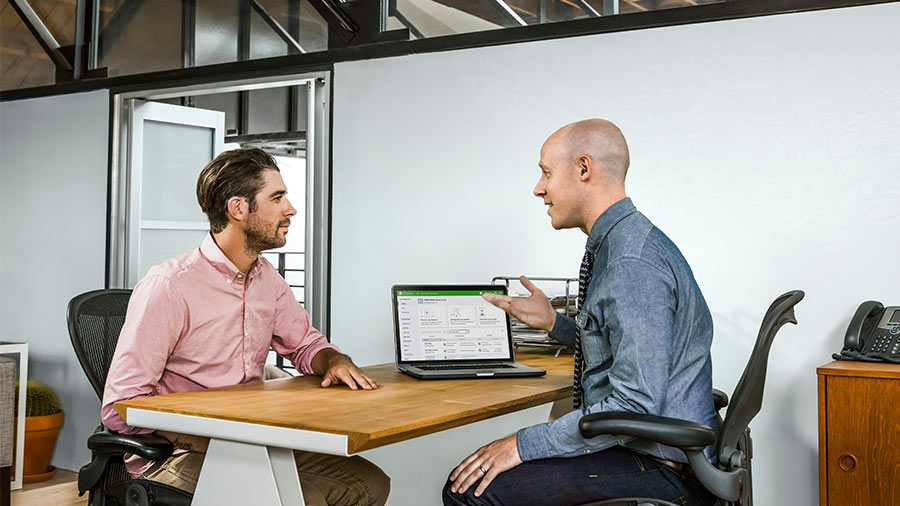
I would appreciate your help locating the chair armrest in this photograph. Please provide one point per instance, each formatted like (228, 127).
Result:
(148, 446)
(681, 434)
(107, 446)
(689, 437)
(720, 399)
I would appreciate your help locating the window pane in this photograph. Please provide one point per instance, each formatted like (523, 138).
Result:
(160, 245)
(170, 175)
(138, 37)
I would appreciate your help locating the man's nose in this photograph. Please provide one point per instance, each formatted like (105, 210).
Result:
(290, 209)
(539, 188)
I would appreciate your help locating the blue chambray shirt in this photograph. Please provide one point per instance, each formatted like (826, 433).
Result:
(646, 333)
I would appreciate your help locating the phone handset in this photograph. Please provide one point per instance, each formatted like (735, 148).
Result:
(861, 324)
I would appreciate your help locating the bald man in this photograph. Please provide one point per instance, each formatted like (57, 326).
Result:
(644, 332)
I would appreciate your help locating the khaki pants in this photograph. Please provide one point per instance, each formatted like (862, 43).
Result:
(326, 480)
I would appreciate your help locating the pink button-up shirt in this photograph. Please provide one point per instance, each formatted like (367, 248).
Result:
(196, 322)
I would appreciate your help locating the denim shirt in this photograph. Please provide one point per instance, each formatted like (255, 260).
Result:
(646, 334)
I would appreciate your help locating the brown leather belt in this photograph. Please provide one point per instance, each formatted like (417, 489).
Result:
(675, 466)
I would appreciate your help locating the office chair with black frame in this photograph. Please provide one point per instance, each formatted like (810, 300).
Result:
(95, 319)
(729, 478)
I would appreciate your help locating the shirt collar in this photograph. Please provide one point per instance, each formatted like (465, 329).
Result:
(607, 221)
(213, 254)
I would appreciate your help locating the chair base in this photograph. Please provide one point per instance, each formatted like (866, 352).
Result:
(140, 492)
(631, 501)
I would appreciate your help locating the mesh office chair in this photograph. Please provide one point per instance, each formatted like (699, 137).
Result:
(95, 320)
(728, 479)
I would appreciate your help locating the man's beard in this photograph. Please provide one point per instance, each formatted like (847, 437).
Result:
(257, 238)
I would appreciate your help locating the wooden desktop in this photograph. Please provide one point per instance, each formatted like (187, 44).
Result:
(254, 426)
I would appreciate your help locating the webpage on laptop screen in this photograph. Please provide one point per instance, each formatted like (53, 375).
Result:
(450, 325)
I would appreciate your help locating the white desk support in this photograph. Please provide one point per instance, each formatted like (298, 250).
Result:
(22, 350)
(245, 463)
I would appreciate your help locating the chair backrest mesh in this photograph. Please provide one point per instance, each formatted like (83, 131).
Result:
(95, 320)
(746, 400)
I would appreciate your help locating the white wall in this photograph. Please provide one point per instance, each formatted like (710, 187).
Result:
(766, 148)
(53, 173)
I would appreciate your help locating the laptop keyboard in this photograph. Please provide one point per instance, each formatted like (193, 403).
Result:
(457, 367)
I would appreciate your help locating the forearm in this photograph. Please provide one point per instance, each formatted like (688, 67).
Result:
(561, 438)
(110, 419)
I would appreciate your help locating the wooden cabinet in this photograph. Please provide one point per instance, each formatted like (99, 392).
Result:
(859, 434)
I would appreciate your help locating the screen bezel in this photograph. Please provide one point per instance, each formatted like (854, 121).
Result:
(894, 319)
(397, 356)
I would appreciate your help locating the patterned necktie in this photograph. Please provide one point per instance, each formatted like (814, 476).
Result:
(584, 279)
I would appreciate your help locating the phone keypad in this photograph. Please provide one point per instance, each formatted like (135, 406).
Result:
(886, 343)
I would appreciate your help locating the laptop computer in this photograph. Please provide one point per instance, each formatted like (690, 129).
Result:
(450, 332)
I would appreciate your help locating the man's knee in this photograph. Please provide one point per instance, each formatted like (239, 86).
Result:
(377, 482)
(465, 499)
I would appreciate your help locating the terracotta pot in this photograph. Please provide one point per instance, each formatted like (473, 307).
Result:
(40, 439)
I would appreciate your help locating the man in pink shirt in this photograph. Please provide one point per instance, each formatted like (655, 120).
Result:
(208, 317)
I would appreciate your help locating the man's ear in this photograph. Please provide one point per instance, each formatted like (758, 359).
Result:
(238, 208)
(585, 166)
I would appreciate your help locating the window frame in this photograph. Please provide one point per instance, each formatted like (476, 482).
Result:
(318, 178)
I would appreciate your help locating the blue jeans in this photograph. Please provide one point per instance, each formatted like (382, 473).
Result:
(613, 473)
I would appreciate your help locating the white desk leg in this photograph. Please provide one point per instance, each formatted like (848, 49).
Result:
(285, 470)
(240, 473)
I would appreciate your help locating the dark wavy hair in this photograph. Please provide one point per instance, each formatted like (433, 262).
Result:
(235, 173)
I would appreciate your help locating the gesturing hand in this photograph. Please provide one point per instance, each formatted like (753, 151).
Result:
(534, 310)
(486, 463)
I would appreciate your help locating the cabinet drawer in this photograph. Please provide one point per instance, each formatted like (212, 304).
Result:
(862, 457)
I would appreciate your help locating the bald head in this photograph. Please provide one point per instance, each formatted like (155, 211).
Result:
(599, 139)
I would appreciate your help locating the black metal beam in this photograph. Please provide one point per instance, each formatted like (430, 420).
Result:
(78, 61)
(370, 18)
(188, 40)
(324, 60)
(275, 26)
(188, 33)
(294, 96)
(338, 21)
(41, 34)
(92, 36)
(393, 11)
(244, 27)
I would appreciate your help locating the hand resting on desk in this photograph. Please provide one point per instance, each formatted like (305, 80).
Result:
(335, 368)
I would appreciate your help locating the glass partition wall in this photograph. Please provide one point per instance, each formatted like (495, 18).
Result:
(40, 39)
(433, 18)
(160, 146)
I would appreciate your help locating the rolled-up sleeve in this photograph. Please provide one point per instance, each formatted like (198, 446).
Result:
(294, 336)
(638, 310)
(564, 330)
(153, 324)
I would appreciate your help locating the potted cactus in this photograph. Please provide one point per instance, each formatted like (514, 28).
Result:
(43, 418)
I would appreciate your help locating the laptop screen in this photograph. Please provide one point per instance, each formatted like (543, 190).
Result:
(441, 323)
